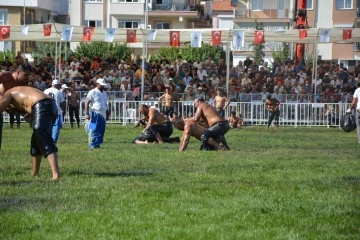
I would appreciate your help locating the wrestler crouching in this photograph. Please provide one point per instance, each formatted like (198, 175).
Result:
(196, 130)
(158, 128)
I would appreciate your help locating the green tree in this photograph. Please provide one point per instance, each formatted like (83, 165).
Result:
(43, 48)
(259, 48)
(7, 53)
(281, 52)
(102, 49)
(190, 54)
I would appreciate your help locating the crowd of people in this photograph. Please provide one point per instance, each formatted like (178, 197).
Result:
(287, 81)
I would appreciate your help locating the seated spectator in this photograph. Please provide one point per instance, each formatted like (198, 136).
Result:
(279, 88)
(190, 86)
(181, 86)
(125, 86)
(335, 82)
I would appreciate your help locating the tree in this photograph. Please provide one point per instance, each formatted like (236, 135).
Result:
(43, 48)
(7, 53)
(190, 54)
(102, 49)
(259, 48)
(281, 52)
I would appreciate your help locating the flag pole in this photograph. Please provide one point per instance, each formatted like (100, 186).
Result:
(315, 63)
(24, 25)
(227, 66)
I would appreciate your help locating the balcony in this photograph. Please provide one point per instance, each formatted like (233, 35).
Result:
(170, 9)
(267, 15)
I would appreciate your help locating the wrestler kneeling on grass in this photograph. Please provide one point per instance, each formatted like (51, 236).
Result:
(158, 128)
(196, 130)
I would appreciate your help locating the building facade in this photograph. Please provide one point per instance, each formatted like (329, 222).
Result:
(162, 14)
(19, 12)
(279, 14)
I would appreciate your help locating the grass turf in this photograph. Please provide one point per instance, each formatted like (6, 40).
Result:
(297, 183)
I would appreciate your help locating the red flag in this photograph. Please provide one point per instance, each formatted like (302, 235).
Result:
(47, 29)
(303, 33)
(4, 32)
(131, 36)
(175, 38)
(259, 37)
(87, 33)
(216, 37)
(347, 34)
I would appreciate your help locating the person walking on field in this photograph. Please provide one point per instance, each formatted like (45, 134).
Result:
(169, 102)
(41, 111)
(221, 102)
(96, 100)
(356, 104)
(272, 105)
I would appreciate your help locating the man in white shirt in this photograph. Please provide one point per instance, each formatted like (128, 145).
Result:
(55, 93)
(96, 100)
(198, 64)
(356, 102)
(201, 73)
(72, 72)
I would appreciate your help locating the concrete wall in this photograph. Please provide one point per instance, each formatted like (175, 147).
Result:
(93, 11)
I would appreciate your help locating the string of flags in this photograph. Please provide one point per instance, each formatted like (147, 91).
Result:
(196, 36)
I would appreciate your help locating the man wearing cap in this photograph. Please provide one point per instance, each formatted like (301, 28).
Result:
(55, 93)
(169, 102)
(96, 100)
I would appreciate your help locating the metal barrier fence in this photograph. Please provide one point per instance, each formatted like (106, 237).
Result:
(253, 113)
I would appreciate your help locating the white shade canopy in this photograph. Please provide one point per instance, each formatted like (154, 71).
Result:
(35, 33)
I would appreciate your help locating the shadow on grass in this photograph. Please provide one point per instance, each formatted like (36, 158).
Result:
(14, 183)
(7, 203)
(128, 173)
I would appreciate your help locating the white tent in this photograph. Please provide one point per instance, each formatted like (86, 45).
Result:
(35, 33)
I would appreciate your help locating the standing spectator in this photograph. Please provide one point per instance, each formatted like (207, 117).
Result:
(248, 62)
(111, 60)
(96, 100)
(56, 94)
(12, 119)
(73, 71)
(74, 105)
(201, 73)
(64, 107)
(86, 64)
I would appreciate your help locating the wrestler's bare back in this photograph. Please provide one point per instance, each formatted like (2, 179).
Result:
(21, 99)
(155, 117)
(209, 114)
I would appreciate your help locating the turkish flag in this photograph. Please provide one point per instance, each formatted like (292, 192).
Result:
(216, 38)
(259, 37)
(131, 36)
(303, 33)
(347, 34)
(4, 32)
(47, 29)
(87, 33)
(175, 38)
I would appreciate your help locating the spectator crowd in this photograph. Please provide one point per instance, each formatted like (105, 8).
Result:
(287, 81)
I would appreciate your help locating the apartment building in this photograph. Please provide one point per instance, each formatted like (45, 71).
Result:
(278, 14)
(14, 12)
(162, 14)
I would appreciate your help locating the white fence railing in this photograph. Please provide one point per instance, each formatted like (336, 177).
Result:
(253, 113)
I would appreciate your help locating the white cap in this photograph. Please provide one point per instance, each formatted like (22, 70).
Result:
(101, 81)
(64, 86)
(55, 82)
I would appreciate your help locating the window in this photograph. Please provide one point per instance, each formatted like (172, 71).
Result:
(93, 23)
(93, 0)
(343, 4)
(163, 2)
(128, 24)
(257, 5)
(129, 1)
(162, 25)
(309, 4)
(3, 16)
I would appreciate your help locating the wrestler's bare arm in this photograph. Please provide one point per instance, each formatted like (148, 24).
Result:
(227, 102)
(184, 139)
(197, 115)
(5, 101)
(160, 98)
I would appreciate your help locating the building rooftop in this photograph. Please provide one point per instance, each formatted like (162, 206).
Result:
(222, 5)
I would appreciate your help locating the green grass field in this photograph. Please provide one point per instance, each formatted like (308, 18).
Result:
(297, 183)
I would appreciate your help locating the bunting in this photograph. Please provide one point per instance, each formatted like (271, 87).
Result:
(216, 38)
(303, 33)
(347, 34)
(175, 38)
(131, 36)
(66, 33)
(238, 38)
(259, 37)
(24, 30)
(47, 29)
(110, 34)
(87, 33)
(196, 39)
(324, 35)
(4, 32)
